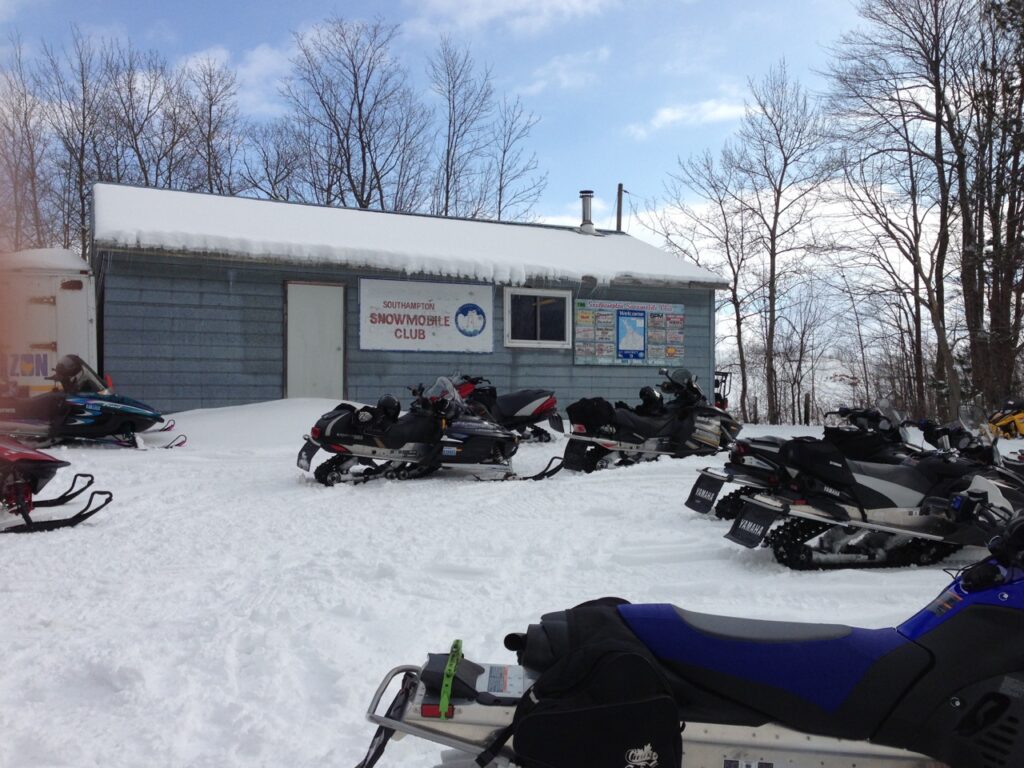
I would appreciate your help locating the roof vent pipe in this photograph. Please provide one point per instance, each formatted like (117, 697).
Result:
(586, 195)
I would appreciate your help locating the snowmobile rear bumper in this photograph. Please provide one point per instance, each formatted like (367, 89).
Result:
(471, 726)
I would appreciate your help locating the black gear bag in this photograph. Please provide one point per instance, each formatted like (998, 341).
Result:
(603, 702)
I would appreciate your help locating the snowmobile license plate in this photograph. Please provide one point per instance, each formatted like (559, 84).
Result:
(306, 455)
(751, 526)
(703, 494)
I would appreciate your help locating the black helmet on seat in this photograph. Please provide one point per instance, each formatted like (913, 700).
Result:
(389, 406)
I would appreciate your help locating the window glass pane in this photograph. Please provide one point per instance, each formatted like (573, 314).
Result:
(552, 318)
(524, 317)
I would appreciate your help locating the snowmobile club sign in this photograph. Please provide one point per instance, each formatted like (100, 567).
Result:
(628, 333)
(422, 316)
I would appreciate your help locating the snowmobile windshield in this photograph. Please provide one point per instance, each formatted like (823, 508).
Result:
(443, 388)
(681, 376)
(76, 376)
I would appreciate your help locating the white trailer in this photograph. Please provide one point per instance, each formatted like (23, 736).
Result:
(47, 310)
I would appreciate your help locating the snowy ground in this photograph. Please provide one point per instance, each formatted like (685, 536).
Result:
(228, 611)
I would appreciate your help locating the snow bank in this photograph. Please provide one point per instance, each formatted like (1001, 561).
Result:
(228, 611)
(135, 217)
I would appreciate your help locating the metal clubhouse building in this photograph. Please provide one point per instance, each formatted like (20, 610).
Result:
(209, 301)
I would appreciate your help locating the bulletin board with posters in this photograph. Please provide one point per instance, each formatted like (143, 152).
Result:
(628, 333)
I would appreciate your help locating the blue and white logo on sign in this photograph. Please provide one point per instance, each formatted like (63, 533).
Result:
(470, 319)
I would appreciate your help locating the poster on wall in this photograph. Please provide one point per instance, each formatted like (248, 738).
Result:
(420, 316)
(628, 333)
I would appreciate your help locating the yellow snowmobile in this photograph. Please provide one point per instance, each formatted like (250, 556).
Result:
(1008, 421)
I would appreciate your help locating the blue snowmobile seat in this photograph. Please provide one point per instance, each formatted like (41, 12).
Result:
(823, 678)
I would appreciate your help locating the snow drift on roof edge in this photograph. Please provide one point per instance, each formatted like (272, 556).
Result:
(203, 224)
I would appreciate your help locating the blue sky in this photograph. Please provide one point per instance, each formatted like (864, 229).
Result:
(623, 87)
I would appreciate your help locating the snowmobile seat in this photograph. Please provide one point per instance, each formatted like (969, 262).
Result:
(508, 405)
(413, 427)
(645, 426)
(824, 678)
(818, 458)
(908, 476)
(47, 407)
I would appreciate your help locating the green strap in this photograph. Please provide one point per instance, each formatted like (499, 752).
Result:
(454, 657)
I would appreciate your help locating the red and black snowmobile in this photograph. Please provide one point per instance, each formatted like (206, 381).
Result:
(520, 411)
(23, 473)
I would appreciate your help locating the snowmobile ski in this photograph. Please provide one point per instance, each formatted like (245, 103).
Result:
(98, 498)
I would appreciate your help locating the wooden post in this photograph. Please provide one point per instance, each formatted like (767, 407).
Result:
(807, 408)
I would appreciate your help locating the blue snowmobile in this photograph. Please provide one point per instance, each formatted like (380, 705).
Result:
(608, 684)
(81, 407)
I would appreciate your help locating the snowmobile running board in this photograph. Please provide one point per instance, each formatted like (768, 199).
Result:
(784, 509)
(470, 726)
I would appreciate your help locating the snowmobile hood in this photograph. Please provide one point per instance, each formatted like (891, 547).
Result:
(13, 452)
(120, 403)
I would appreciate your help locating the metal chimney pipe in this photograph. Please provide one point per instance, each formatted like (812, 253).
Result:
(586, 196)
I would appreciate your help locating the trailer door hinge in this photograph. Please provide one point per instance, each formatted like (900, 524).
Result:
(48, 345)
(42, 300)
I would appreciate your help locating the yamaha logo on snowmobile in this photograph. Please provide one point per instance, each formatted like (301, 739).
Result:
(643, 757)
(751, 527)
(705, 494)
(831, 490)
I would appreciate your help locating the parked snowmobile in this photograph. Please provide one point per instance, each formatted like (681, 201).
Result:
(520, 411)
(609, 684)
(684, 426)
(23, 473)
(438, 432)
(1009, 420)
(840, 512)
(82, 407)
(866, 434)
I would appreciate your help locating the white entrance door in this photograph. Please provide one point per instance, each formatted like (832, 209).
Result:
(316, 340)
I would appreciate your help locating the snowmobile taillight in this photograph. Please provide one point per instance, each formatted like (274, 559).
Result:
(465, 389)
(579, 428)
(337, 448)
(315, 433)
(740, 448)
(774, 479)
(548, 405)
(17, 498)
(434, 710)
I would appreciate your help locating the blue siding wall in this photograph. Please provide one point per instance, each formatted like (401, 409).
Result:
(184, 332)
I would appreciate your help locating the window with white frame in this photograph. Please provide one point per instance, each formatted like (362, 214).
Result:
(536, 317)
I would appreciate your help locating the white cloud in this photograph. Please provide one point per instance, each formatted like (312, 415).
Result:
(217, 53)
(695, 113)
(567, 72)
(259, 78)
(8, 8)
(523, 16)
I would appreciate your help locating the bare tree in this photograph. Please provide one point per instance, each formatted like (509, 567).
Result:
(270, 162)
(460, 187)
(71, 83)
(215, 125)
(350, 97)
(23, 145)
(148, 117)
(781, 158)
(719, 234)
(517, 185)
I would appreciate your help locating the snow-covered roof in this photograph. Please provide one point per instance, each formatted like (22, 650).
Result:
(200, 224)
(56, 260)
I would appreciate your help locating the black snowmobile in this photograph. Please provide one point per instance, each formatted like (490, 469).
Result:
(836, 511)
(863, 434)
(521, 411)
(438, 432)
(24, 472)
(609, 684)
(685, 425)
(82, 407)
